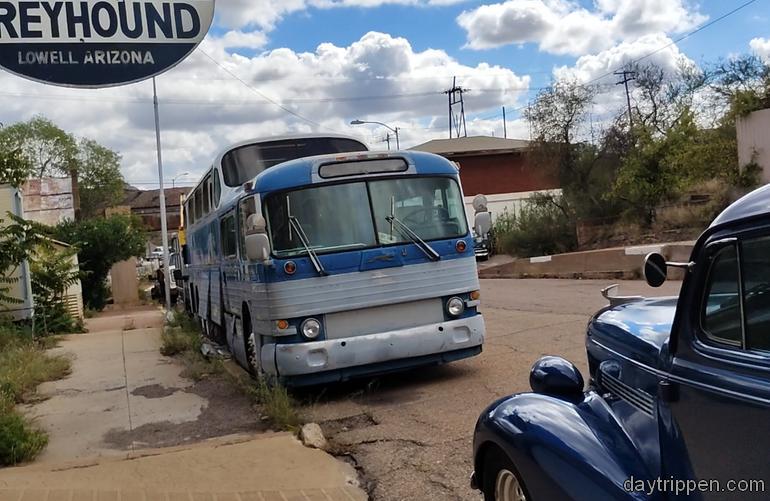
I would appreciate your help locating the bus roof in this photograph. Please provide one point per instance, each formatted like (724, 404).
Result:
(304, 171)
(271, 139)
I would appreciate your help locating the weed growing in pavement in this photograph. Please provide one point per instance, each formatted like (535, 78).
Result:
(24, 364)
(183, 338)
(274, 401)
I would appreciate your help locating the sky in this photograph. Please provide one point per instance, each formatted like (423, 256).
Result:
(272, 67)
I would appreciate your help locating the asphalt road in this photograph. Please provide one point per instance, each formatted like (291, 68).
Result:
(411, 434)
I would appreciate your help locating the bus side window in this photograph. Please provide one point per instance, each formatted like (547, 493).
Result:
(217, 189)
(246, 208)
(198, 205)
(227, 233)
(206, 195)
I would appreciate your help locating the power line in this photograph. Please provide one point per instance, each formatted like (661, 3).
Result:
(261, 94)
(676, 41)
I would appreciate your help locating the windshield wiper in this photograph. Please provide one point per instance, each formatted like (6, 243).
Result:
(297, 227)
(419, 242)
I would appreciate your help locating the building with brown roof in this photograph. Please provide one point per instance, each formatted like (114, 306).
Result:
(495, 167)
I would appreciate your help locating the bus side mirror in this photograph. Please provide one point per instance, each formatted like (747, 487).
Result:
(258, 247)
(257, 241)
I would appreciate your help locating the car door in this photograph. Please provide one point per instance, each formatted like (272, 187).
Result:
(720, 428)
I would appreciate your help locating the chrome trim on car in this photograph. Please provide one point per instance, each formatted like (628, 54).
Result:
(640, 399)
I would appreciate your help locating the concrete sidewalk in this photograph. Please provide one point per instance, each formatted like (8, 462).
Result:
(113, 365)
(272, 467)
(121, 383)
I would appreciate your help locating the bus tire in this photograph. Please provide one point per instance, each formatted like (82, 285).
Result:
(252, 352)
(249, 351)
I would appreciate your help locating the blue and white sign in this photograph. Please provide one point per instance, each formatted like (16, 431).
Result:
(101, 43)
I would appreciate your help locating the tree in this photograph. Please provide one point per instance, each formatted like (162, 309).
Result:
(563, 145)
(741, 84)
(101, 243)
(50, 151)
(14, 167)
(52, 274)
(99, 178)
(18, 240)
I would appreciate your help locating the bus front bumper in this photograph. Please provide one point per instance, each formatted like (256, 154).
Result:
(341, 359)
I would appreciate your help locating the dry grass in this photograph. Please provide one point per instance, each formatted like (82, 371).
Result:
(275, 402)
(182, 338)
(24, 364)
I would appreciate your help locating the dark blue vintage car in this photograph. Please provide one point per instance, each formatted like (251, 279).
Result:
(678, 402)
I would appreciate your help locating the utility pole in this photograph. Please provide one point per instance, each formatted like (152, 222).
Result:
(456, 99)
(627, 76)
(387, 140)
(505, 125)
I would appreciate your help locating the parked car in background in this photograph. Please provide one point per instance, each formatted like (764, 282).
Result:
(678, 401)
(157, 253)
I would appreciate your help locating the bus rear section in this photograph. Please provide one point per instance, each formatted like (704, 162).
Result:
(368, 269)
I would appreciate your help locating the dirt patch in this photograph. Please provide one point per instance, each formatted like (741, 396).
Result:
(334, 427)
(154, 391)
(228, 412)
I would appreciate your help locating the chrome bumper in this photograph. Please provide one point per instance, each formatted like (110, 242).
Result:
(286, 360)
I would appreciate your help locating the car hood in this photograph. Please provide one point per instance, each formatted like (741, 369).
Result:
(638, 330)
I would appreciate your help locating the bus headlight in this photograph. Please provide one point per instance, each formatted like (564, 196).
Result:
(455, 306)
(311, 328)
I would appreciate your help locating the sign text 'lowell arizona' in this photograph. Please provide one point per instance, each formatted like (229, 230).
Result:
(99, 43)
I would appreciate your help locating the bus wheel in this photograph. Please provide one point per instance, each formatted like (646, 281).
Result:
(250, 351)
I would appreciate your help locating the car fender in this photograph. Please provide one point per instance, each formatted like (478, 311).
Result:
(564, 449)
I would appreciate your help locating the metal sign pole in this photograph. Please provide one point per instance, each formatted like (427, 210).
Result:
(163, 223)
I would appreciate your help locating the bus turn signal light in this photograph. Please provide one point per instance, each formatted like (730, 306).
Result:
(290, 267)
(283, 324)
(475, 295)
(461, 246)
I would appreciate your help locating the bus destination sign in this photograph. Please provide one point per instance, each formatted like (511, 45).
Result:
(102, 43)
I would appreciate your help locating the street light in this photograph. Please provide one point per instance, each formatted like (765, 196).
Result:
(173, 181)
(362, 122)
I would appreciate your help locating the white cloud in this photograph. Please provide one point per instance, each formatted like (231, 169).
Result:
(590, 67)
(761, 46)
(564, 27)
(203, 108)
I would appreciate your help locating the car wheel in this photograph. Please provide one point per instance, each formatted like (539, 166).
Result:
(501, 480)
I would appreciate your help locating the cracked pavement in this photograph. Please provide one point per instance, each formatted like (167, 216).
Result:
(411, 434)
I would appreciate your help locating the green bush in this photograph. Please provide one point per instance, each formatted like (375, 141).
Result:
(19, 440)
(540, 228)
(101, 243)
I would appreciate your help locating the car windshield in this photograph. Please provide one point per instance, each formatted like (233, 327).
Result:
(355, 215)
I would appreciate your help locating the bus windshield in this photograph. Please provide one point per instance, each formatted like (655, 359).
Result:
(356, 215)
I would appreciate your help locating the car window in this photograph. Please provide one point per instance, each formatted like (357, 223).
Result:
(722, 309)
(756, 292)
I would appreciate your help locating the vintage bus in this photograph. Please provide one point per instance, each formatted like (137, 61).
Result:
(325, 268)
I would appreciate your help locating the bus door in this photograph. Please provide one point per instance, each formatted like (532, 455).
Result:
(230, 273)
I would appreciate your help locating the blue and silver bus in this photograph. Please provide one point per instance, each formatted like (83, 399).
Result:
(328, 267)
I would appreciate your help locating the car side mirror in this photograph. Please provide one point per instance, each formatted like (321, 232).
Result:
(655, 270)
(177, 274)
(557, 377)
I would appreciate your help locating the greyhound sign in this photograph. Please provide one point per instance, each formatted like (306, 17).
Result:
(102, 43)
